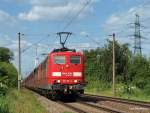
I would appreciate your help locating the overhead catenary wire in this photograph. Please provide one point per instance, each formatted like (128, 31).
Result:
(27, 48)
(30, 34)
(147, 2)
(67, 15)
(73, 18)
(98, 43)
(67, 25)
(144, 4)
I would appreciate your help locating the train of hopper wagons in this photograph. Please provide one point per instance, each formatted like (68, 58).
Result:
(61, 73)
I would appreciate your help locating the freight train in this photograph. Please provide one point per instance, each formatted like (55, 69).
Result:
(61, 73)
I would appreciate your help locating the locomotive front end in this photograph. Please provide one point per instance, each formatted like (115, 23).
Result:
(67, 75)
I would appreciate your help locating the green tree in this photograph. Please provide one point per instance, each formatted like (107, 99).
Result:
(8, 73)
(140, 71)
(5, 55)
(98, 63)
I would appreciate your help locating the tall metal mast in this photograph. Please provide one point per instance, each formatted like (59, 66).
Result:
(137, 36)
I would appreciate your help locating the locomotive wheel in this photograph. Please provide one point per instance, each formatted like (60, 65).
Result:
(54, 95)
(81, 91)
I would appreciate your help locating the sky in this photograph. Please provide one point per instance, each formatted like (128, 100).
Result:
(90, 21)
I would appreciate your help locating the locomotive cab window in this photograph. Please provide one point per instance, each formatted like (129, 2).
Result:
(74, 59)
(59, 59)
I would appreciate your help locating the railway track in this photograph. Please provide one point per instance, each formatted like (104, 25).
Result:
(78, 110)
(98, 108)
(119, 100)
(104, 108)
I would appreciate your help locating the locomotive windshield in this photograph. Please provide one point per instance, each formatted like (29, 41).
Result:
(59, 59)
(75, 59)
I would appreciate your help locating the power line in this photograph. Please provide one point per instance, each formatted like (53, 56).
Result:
(80, 11)
(87, 35)
(147, 2)
(36, 35)
(24, 50)
(67, 25)
(67, 14)
(98, 43)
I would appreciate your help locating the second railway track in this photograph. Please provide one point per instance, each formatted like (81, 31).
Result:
(119, 100)
(90, 108)
(104, 108)
(115, 105)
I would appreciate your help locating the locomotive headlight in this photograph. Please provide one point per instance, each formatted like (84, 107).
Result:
(58, 81)
(77, 74)
(75, 81)
(58, 74)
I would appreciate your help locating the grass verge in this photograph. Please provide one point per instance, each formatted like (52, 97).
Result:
(135, 94)
(20, 102)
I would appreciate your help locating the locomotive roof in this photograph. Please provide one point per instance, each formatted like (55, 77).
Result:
(64, 50)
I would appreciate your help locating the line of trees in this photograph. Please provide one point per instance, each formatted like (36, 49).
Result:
(133, 71)
(8, 73)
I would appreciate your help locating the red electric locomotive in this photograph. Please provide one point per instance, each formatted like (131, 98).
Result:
(62, 72)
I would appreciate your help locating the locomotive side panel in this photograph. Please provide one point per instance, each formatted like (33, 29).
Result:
(59, 73)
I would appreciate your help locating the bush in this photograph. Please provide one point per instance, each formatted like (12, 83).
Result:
(147, 90)
(3, 91)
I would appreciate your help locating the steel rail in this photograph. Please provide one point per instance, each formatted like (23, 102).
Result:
(111, 110)
(125, 101)
(71, 107)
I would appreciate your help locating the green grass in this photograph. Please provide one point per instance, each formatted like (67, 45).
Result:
(3, 106)
(20, 102)
(135, 94)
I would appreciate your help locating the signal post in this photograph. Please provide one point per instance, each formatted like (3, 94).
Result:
(113, 68)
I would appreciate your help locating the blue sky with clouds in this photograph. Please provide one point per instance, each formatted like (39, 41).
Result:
(38, 18)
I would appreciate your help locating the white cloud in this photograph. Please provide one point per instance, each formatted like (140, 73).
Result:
(14, 44)
(54, 10)
(79, 45)
(6, 19)
(112, 19)
(48, 2)
(84, 33)
(6, 41)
